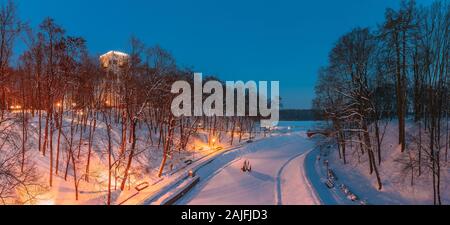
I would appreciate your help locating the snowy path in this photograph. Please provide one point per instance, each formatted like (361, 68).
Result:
(295, 187)
(316, 177)
(277, 175)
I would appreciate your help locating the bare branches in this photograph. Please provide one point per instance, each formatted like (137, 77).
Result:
(369, 77)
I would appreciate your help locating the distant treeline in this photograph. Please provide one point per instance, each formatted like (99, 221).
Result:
(300, 115)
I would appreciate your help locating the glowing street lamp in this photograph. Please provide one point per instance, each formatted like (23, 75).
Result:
(213, 142)
(15, 107)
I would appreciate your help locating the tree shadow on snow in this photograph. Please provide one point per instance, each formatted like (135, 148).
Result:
(262, 176)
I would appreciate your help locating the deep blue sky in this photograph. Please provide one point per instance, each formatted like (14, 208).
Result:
(232, 39)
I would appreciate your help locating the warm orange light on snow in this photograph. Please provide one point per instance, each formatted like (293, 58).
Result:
(46, 202)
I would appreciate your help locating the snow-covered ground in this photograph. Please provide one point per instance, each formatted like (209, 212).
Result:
(397, 188)
(287, 169)
(277, 175)
(290, 169)
(295, 185)
(144, 168)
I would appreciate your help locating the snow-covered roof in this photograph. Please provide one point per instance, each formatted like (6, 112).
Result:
(114, 53)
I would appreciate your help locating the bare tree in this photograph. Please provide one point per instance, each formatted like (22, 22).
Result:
(10, 28)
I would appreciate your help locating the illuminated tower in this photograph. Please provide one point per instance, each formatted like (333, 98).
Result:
(115, 64)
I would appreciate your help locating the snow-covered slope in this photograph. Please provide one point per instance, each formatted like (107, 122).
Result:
(397, 188)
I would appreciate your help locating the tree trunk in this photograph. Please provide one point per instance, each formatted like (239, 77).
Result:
(166, 147)
(130, 157)
(60, 127)
(51, 149)
(91, 136)
(47, 120)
